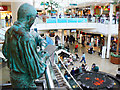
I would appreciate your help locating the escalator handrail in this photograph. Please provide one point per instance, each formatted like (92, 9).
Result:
(62, 76)
(70, 74)
(48, 78)
(53, 77)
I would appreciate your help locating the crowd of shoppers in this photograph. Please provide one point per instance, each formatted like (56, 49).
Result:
(8, 20)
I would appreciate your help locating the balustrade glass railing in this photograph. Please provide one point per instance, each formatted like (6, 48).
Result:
(102, 20)
(47, 19)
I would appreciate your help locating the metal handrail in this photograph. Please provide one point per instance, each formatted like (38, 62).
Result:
(70, 74)
(68, 71)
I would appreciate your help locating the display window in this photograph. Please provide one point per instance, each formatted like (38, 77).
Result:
(4, 13)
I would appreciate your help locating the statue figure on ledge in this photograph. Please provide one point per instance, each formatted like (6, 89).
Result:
(20, 48)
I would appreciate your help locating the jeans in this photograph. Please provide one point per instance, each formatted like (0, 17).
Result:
(83, 59)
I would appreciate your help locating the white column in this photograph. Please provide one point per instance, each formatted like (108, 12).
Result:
(101, 11)
(105, 41)
(15, 6)
(80, 38)
(92, 10)
(111, 13)
(109, 31)
(108, 45)
(63, 36)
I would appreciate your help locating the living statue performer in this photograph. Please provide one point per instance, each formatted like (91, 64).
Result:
(20, 48)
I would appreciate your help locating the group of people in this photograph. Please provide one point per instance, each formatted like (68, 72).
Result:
(8, 20)
(70, 39)
(81, 69)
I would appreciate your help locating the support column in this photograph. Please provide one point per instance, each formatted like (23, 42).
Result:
(101, 11)
(92, 10)
(62, 36)
(109, 31)
(111, 13)
(108, 45)
(80, 38)
(15, 6)
(105, 41)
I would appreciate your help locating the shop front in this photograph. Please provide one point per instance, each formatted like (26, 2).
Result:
(3, 13)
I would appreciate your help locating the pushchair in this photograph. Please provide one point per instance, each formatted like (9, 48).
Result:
(90, 50)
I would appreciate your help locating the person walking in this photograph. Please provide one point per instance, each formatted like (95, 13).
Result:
(83, 58)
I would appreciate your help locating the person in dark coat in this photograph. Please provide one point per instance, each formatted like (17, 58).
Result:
(72, 72)
(6, 20)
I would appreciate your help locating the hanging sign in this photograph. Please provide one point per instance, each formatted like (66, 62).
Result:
(3, 8)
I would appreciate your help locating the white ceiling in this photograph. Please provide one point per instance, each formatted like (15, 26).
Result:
(63, 3)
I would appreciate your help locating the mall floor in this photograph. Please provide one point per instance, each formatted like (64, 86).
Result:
(104, 64)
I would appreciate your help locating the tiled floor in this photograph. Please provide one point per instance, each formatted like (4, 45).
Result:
(4, 72)
(104, 64)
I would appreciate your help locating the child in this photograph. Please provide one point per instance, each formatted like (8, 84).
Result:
(76, 48)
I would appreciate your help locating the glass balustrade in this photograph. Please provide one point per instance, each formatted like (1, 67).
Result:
(75, 20)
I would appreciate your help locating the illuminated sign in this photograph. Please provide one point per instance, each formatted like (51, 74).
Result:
(3, 8)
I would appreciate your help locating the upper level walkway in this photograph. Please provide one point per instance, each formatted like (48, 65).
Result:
(101, 26)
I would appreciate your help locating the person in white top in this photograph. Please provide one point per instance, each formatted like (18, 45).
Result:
(83, 58)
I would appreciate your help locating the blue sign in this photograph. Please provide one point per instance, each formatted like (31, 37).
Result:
(51, 20)
(67, 20)
(53, 12)
(62, 20)
(72, 20)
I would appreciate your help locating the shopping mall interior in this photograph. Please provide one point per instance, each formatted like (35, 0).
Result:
(78, 42)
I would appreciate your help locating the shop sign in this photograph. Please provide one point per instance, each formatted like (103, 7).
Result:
(3, 8)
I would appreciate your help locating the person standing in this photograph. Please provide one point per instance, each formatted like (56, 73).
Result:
(6, 21)
(72, 72)
(10, 20)
(83, 58)
(95, 68)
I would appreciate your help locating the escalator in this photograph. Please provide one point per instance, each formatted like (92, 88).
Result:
(60, 81)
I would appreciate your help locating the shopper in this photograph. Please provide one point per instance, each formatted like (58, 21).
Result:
(10, 20)
(6, 20)
(71, 61)
(95, 68)
(83, 58)
(80, 69)
(77, 70)
(76, 48)
(72, 72)
(56, 40)
(66, 75)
